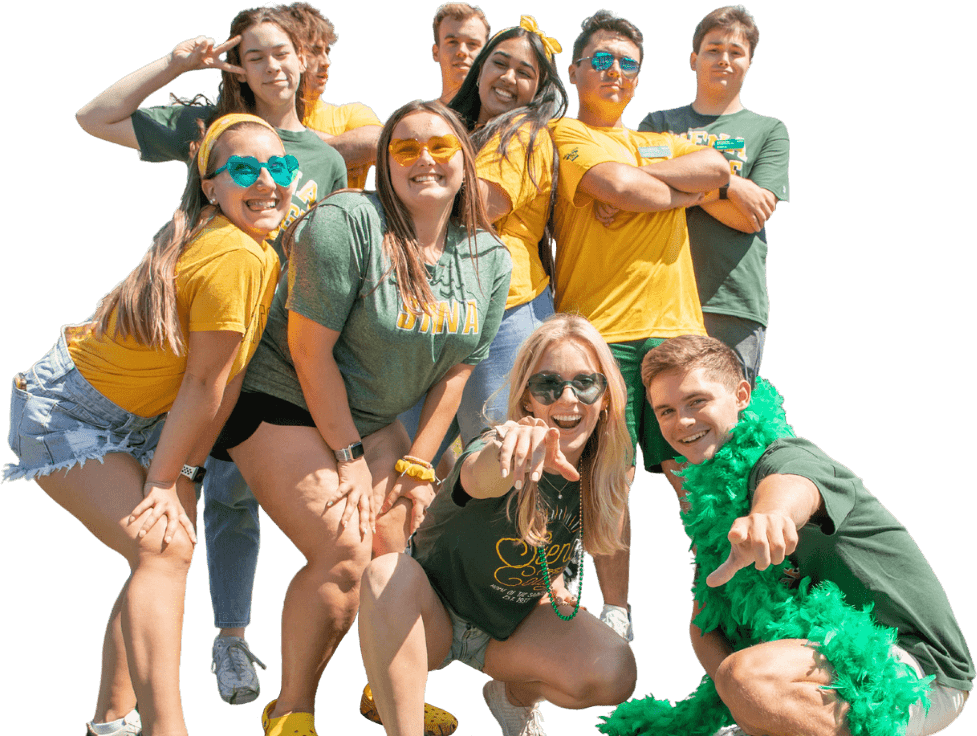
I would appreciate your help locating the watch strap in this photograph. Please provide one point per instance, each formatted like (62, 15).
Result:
(193, 472)
(350, 452)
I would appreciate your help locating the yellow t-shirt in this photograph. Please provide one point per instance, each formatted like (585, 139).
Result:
(522, 228)
(337, 119)
(633, 279)
(224, 281)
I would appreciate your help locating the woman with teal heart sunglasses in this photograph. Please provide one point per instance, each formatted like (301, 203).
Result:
(143, 387)
(245, 170)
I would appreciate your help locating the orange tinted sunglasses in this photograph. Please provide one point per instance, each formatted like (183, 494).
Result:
(405, 151)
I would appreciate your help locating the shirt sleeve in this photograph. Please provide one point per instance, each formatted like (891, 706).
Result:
(223, 292)
(579, 152)
(509, 169)
(799, 457)
(654, 122)
(496, 306)
(770, 168)
(359, 115)
(165, 133)
(324, 269)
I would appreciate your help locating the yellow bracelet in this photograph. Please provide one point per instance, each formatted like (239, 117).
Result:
(415, 470)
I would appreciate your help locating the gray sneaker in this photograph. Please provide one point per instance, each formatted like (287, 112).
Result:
(131, 726)
(515, 720)
(733, 730)
(234, 666)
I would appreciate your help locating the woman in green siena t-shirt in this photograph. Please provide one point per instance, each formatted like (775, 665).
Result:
(495, 542)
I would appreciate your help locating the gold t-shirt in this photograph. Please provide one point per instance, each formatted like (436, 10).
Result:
(633, 279)
(522, 228)
(224, 282)
(338, 119)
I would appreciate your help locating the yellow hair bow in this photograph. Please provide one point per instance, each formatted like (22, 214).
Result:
(551, 45)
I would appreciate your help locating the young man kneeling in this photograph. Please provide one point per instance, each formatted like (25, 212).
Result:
(780, 626)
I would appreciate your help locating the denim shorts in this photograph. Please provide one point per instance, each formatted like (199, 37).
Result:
(58, 419)
(468, 642)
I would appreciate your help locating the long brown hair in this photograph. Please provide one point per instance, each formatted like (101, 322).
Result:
(606, 456)
(237, 96)
(144, 303)
(400, 237)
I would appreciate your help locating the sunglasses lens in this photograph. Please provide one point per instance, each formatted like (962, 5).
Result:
(280, 171)
(589, 388)
(405, 151)
(545, 389)
(602, 61)
(629, 66)
(244, 171)
(443, 147)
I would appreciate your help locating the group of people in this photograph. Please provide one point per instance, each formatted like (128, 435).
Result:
(556, 291)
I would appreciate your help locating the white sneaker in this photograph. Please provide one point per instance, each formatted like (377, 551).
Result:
(131, 726)
(515, 720)
(733, 730)
(619, 619)
(234, 666)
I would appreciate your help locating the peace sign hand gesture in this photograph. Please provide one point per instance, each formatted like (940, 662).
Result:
(201, 53)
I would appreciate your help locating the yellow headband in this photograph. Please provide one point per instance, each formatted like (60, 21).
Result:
(550, 45)
(216, 130)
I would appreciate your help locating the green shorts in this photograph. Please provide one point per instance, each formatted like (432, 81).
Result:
(642, 424)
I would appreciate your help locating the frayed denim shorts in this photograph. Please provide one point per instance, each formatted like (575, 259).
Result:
(58, 419)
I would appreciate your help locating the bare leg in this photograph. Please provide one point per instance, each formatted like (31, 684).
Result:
(116, 697)
(677, 482)
(404, 631)
(573, 664)
(101, 496)
(292, 471)
(613, 571)
(775, 689)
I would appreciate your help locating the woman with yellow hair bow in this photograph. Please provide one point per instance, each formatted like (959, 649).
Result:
(510, 95)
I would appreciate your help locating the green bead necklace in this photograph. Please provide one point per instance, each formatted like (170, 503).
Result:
(541, 556)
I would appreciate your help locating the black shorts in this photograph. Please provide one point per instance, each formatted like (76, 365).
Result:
(250, 411)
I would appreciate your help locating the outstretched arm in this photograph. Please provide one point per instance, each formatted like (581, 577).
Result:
(108, 115)
(782, 504)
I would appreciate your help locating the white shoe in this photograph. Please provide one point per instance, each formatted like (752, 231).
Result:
(131, 726)
(733, 730)
(619, 619)
(233, 663)
(515, 720)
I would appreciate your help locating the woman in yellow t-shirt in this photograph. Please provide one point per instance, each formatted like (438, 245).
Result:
(510, 95)
(144, 388)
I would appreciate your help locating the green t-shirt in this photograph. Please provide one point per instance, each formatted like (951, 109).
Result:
(165, 134)
(474, 558)
(859, 545)
(339, 277)
(730, 266)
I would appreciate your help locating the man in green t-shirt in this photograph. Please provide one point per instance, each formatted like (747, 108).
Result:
(812, 519)
(726, 232)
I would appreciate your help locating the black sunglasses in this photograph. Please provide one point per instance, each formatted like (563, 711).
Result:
(546, 388)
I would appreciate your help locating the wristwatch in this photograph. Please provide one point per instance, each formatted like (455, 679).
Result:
(349, 453)
(194, 473)
(724, 191)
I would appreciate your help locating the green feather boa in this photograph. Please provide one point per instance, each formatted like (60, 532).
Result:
(755, 606)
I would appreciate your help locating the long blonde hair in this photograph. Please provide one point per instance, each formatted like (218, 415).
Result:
(144, 303)
(606, 456)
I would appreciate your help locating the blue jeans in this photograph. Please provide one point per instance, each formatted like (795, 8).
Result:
(232, 532)
(486, 394)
